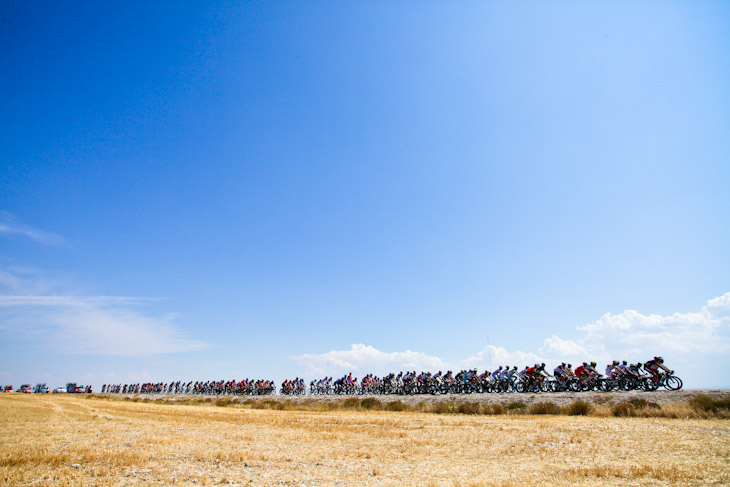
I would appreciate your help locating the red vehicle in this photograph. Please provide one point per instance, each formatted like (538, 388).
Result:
(25, 388)
(8, 389)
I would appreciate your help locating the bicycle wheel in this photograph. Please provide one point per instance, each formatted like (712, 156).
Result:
(649, 385)
(673, 383)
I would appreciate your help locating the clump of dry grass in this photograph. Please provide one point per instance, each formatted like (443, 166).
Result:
(709, 404)
(544, 408)
(645, 409)
(516, 406)
(396, 406)
(578, 408)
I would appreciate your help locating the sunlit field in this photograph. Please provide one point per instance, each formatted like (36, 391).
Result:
(76, 440)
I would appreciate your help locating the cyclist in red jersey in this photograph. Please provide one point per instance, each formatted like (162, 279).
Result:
(653, 365)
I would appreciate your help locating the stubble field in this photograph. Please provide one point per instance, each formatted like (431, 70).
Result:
(74, 440)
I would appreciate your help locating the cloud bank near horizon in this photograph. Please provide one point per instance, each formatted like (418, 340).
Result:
(630, 335)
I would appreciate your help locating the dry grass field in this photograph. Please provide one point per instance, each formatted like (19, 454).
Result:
(74, 440)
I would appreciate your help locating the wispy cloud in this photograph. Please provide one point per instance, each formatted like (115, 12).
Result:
(10, 226)
(103, 325)
(73, 301)
(631, 335)
(24, 280)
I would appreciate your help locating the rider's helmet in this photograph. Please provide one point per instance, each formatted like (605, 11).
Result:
(593, 364)
(585, 364)
(615, 362)
(570, 366)
(625, 362)
(659, 359)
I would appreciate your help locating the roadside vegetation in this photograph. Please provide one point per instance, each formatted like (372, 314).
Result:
(697, 407)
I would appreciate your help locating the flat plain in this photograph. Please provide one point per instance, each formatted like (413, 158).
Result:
(79, 440)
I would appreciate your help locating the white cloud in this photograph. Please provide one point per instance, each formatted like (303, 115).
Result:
(10, 226)
(558, 349)
(688, 337)
(492, 357)
(365, 359)
(704, 331)
(362, 359)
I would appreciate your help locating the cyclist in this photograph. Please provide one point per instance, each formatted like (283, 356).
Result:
(635, 369)
(523, 373)
(496, 374)
(560, 374)
(582, 370)
(590, 369)
(623, 368)
(653, 366)
(611, 368)
(540, 373)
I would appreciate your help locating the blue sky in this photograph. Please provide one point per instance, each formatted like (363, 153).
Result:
(264, 190)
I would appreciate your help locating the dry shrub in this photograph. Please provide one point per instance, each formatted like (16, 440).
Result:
(623, 410)
(544, 408)
(258, 404)
(646, 409)
(600, 411)
(578, 408)
(396, 406)
(284, 405)
(468, 408)
(441, 408)
(496, 409)
(639, 403)
(708, 404)
(223, 402)
(351, 403)
(515, 406)
(327, 406)
(371, 403)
